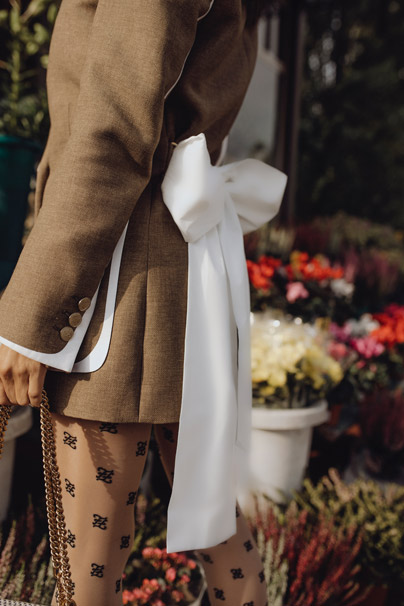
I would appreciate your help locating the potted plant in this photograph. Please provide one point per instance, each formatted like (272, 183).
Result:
(291, 375)
(301, 285)
(25, 570)
(307, 561)
(24, 119)
(152, 576)
(19, 423)
(157, 578)
(381, 421)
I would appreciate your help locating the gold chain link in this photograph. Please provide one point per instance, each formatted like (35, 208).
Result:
(53, 495)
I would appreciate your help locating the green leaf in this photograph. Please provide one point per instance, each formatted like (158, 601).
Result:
(15, 23)
(32, 47)
(35, 8)
(3, 17)
(43, 60)
(52, 12)
(41, 34)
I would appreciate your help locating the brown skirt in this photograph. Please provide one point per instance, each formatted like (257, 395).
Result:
(141, 379)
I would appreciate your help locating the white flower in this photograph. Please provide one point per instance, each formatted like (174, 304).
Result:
(362, 327)
(342, 288)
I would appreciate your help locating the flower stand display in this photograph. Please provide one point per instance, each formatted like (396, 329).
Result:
(19, 423)
(280, 448)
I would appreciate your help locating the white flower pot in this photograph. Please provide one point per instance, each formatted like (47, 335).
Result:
(19, 423)
(198, 600)
(280, 448)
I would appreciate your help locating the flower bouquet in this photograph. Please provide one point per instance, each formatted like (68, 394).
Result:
(289, 362)
(304, 286)
(370, 350)
(159, 579)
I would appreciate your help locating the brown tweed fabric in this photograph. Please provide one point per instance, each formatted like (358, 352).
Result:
(114, 113)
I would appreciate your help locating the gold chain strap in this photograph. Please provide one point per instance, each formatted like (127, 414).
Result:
(53, 495)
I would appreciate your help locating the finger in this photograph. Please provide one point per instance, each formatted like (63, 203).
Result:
(4, 401)
(21, 380)
(8, 386)
(35, 387)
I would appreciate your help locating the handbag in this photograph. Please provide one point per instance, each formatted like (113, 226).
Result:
(54, 508)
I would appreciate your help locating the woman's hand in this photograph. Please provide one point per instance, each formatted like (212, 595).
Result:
(21, 379)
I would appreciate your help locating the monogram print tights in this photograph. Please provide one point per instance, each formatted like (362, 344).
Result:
(101, 465)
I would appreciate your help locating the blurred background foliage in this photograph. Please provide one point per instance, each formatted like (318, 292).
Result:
(26, 29)
(351, 154)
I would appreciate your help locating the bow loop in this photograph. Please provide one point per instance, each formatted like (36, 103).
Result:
(192, 190)
(256, 190)
(195, 191)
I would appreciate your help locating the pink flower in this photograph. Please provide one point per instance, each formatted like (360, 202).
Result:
(185, 579)
(340, 332)
(127, 596)
(171, 574)
(337, 350)
(177, 595)
(148, 552)
(295, 290)
(367, 347)
(191, 564)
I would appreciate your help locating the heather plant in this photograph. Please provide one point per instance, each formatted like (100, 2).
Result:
(25, 571)
(275, 566)
(331, 235)
(363, 504)
(370, 253)
(307, 562)
(382, 424)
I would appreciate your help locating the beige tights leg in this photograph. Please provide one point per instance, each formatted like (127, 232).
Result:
(101, 465)
(233, 569)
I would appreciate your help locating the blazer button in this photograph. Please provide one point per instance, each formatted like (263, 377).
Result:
(66, 333)
(84, 304)
(75, 319)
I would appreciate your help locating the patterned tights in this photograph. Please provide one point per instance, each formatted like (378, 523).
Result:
(101, 465)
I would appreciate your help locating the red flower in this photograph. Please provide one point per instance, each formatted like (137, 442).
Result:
(391, 330)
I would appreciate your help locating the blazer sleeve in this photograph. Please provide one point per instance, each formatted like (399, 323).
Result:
(136, 53)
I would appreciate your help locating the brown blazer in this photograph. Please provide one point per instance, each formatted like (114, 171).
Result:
(126, 78)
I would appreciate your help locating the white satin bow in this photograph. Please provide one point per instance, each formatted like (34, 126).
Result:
(213, 206)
